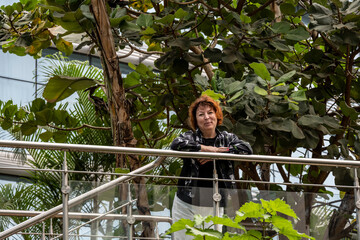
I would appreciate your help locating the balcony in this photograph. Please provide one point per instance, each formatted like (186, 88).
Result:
(109, 209)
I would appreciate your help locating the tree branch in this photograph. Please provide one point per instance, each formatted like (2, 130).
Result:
(148, 117)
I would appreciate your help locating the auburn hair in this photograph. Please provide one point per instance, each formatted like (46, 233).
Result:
(204, 100)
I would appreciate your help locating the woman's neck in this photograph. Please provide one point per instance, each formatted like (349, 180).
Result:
(211, 134)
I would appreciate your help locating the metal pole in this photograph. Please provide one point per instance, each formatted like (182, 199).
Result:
(65, 191)
(43, 231)
(357, 202)
(53, 211)
(181, 154)
(130, 218)
(216, 197)
(51, 227)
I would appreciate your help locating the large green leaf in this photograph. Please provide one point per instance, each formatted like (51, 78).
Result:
(145, 20)
(349, 111)
(278, 205)
(297, 34)
(312, 121)
(182, 42)
(59, 88)
(64, 46)
(260, 70)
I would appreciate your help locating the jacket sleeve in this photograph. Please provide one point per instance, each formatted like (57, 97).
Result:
(238, 146)
(185, 142)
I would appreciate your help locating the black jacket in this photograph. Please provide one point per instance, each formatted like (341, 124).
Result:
(190, 141)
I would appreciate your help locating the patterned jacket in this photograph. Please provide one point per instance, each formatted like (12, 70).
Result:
(190, 141)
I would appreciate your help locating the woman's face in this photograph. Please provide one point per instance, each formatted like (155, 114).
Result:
(206, 119)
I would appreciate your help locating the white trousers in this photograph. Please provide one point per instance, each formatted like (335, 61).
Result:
(185, 210)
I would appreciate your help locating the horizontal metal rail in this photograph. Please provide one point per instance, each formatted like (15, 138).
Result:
(55, 210)
(92, 236)
(77, 215)
(171, 153)
(194, 178)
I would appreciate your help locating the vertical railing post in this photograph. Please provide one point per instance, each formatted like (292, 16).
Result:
(216, 197)
(130, 218)
(43, 231)
(65, 189)
(357, 201)
(51, 229)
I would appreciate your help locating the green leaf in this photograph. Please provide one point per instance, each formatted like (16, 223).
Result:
(213, 54)
(245, 19)
(260, 70)
(296, 131)
(38, 105)
(44, 117)
(234, 87)
(260, 91)
(278, 205)
(59, 88)
(202, 81)
(199, 220)
(279, 46)
(132, 79)
(28, 128)
(297, 34)
(312, 121)
(213, 95)
(180, 225)
(64, 46)
(348, 111)
(180, 13)
(226, 221)
(21, 114)
(60, 136)
(299, 95)
(278, 124)
(6, 124)
(167, 20)
(148, 31)
(287, 8)
(249, 210)
(46, 136)
(207, 233)
(286, 77)
(281, 27)
(181, 42)
(10, 111)
(236, 96)
(314, 56)
(352, 7)
(145, 20)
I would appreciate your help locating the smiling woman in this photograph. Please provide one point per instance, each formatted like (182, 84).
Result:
(195, 196)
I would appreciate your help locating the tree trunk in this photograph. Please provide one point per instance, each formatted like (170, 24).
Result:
(118, 105)
(340, 218)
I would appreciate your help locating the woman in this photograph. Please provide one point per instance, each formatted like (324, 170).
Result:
(196, 196)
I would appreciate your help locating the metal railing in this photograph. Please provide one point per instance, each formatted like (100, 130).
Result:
(62, 210)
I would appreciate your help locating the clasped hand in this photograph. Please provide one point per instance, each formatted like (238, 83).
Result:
(211, 149)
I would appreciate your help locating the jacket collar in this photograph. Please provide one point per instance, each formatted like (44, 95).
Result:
(200, 135)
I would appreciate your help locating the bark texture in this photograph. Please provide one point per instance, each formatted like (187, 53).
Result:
(118, 106)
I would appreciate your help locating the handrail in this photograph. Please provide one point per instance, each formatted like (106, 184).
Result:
(55, 210)
(77, 215)
(148, 152)
(171, 153)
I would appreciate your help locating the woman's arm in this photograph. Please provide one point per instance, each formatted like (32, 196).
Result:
(238, 146)
(185, 142)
